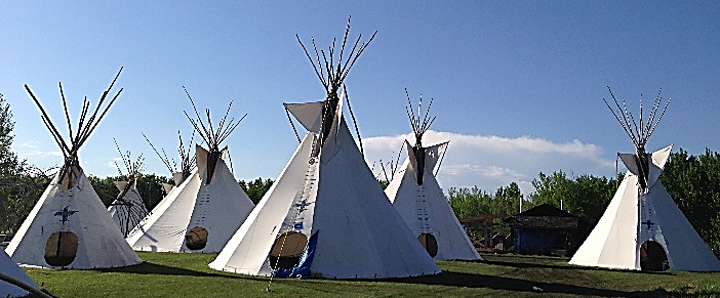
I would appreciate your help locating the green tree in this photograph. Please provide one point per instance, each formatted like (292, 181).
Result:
(592, 196)
(694, 184)
(105, 188)
(19, 194)
(151, 189)
(469, 201)
(552, 189)
(14, 195)
(256, 189)
(507, 199)
(585, 196)
(9, 162)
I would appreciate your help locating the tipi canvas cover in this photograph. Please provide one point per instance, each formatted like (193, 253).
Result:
(326, 215)
(418, 198)
(9, 268)
(203, 212)
(69, 227)
(335, 197)
(637, 223)
(197, 216)
(642, 228)
(426, 210)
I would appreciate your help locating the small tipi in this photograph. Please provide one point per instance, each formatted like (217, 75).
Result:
(326, 215)
(128, 209)
(206, 208)
(69, 227)
(417, 196)
(14, 282)
(642, 228)
(188, 163)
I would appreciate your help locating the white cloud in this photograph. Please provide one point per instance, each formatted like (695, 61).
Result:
(115, 162)
(495, 172)
(33, 150)
(493, 161)
(30, 145)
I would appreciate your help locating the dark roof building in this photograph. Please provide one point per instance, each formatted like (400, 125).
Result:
(545, 230)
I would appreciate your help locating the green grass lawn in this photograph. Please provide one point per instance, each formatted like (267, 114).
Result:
(187, 275)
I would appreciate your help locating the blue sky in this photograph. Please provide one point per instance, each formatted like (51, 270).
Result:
(518, 86)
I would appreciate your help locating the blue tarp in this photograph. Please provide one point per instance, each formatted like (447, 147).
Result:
(302, 268)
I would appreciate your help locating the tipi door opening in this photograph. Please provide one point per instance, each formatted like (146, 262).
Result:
(429, 242)
(653, 257)
(287, 250)
(197, 238)
(61, 248)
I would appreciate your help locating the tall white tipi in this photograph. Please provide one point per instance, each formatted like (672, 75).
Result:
(417, 196)
(642, 228)
(69, 227)
(206, 209)
(128, 208)
(326, 215)
(14, 282)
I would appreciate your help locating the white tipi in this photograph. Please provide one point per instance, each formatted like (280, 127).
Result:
(418, 198)
(14, 282)
(206, 209)
(69, 227)
(326, 215)
(128, 209)
(642, 228)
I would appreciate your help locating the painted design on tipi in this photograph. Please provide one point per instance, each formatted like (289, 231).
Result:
(69, 227)
(65, 214)
(417, 196)
(326, 216)
(642, 228)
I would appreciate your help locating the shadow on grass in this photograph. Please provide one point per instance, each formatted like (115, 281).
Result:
(446, 278)
(455, 279)
(564, 266)
(151, 268)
